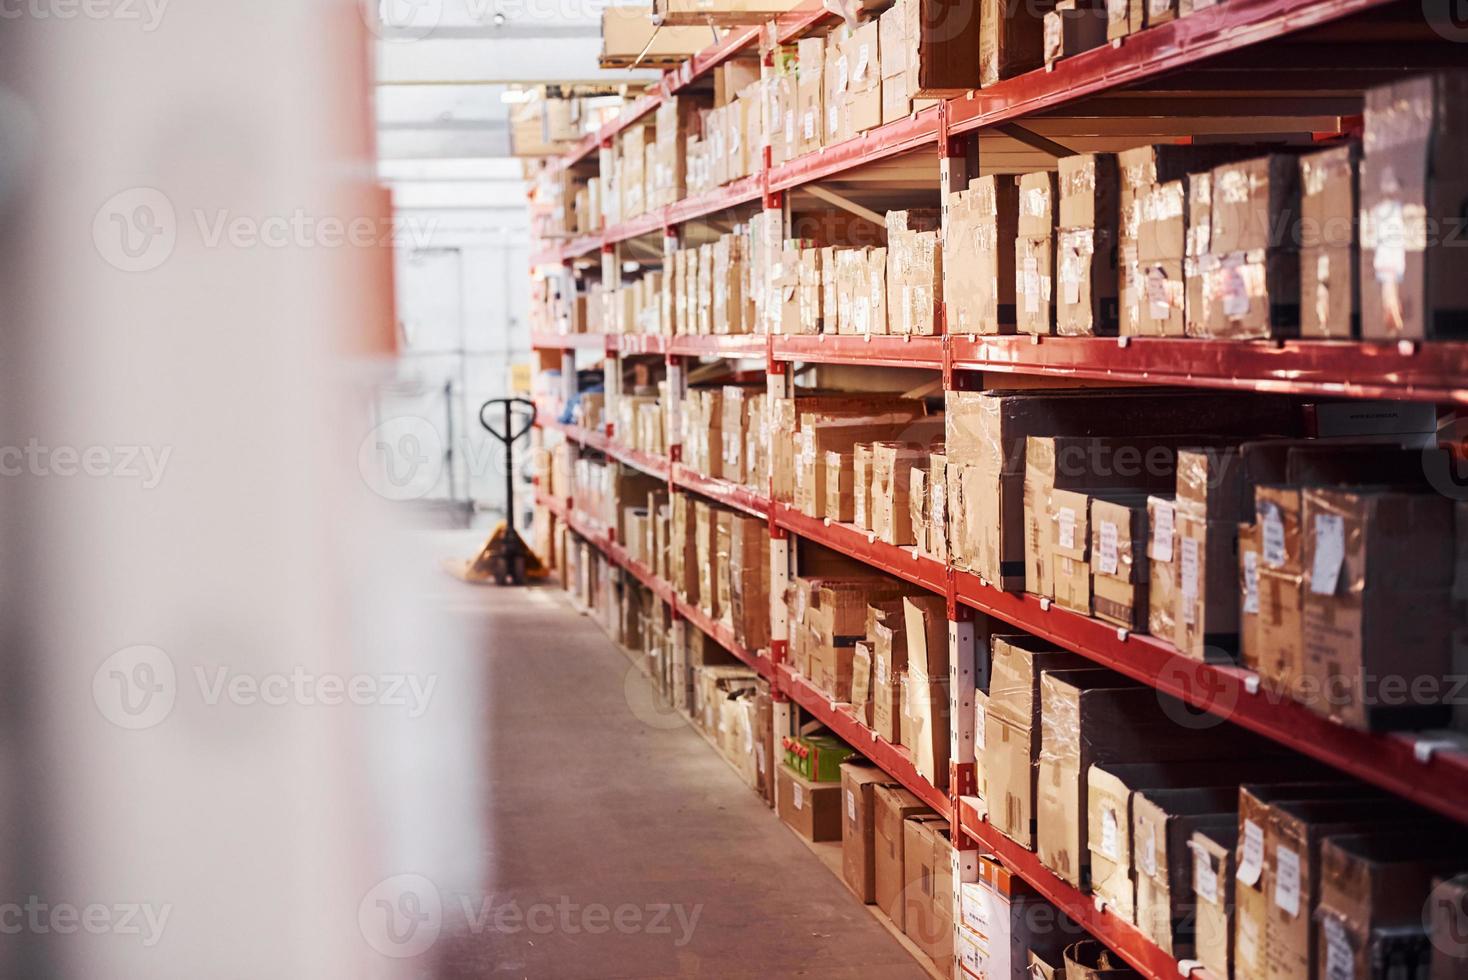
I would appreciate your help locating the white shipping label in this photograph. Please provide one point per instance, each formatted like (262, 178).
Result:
(759, 756)
(881, 670)
(1162, 533)
(1251, 582)
(1252, 863)
(1070, 276)
(1340, 960)
(1273, 536)
(1065, 528)
(979, 719)
(1157, 8)
(1107, 558)
(841, 78)
(1235, 290)
(1030, 284)
(863, 59)
(810, 124)
(1158, 305)
(1330, 552)
(833, 119)
(797, 796)
(1205, 879)
(1148, 856)
(789, 128)
(1287, 880)
(1109, 845)
(1188, 586)
(1248, 940)
(851, 805)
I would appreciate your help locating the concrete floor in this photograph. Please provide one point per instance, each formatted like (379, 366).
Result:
(617, 844)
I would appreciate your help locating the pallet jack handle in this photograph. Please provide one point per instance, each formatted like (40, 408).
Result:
(508, 436)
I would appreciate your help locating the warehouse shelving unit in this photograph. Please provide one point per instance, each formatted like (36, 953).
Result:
(1193, 66)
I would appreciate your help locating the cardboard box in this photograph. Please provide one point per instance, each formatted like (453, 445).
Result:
(1012, 730)
(928, 736)
(1367, 556)
(1085, 720)
(892, 465)
(978, 269)
(840, 498)
(914, 271)
(1206, 623)
(1164, 821)
(858, 834)
(1034, 253)
(1213, 886)
(813, 810)
(891, 807)
(1118, 561)
(1249, 646)
(1003, 922)
(1416, 136)
(836, 78)
(1070, 544)
(1072, 27)
(861, 486)
(1011, 39)
(864, 81)
(1372, 891)
(889, 664)
(861, 682)
(1330, 292)
(1123, 17)
(1086, 249)
(1254, 214)
(928, 894)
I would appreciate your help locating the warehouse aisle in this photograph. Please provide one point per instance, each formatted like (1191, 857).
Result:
(618, 843)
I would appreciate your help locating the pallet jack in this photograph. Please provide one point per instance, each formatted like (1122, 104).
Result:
(505, 558)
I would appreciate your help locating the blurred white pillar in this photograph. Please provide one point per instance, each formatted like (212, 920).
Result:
(177, 179)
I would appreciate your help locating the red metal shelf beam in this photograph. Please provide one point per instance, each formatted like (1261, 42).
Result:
(880, 350)
(568, 341)
(724, 637)
(1221, 693)
(903, 563)
(1435, 372)
(841, 718)
(748, 345)
(722, 491)
(1118, 934)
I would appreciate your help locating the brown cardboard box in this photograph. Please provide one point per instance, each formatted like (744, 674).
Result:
(1254, 238)
(1249, 645)
(812, 309)
(891, 806)
(1163, 823)
(861, 682)
(840, 497)
(1292, 843)
(1161, 242)
(1012, 730)
(813, 810)
(1213, 888)
(810, 130)
(1034, 253)
(1367, 556)
(1086, 259)
(1280, 659)
(1372, 892)
(1118, 561)
(914, 271)
(978, 269)
(1070, 549)
(783, 100)
(1123, 17)
(1330, 293)
(927, 894)
(917, 505)
(1011, 38)
(926, 623)
(1207, 619)
(861, 486)
(859, 780)
(1086, 720)
(938, 506)
(1416, 137)
(1072, 27)
(836, 78)
(892, 464)
(1198, 262)
(864, 81)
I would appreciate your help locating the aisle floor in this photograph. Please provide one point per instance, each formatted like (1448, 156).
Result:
(601, 803)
